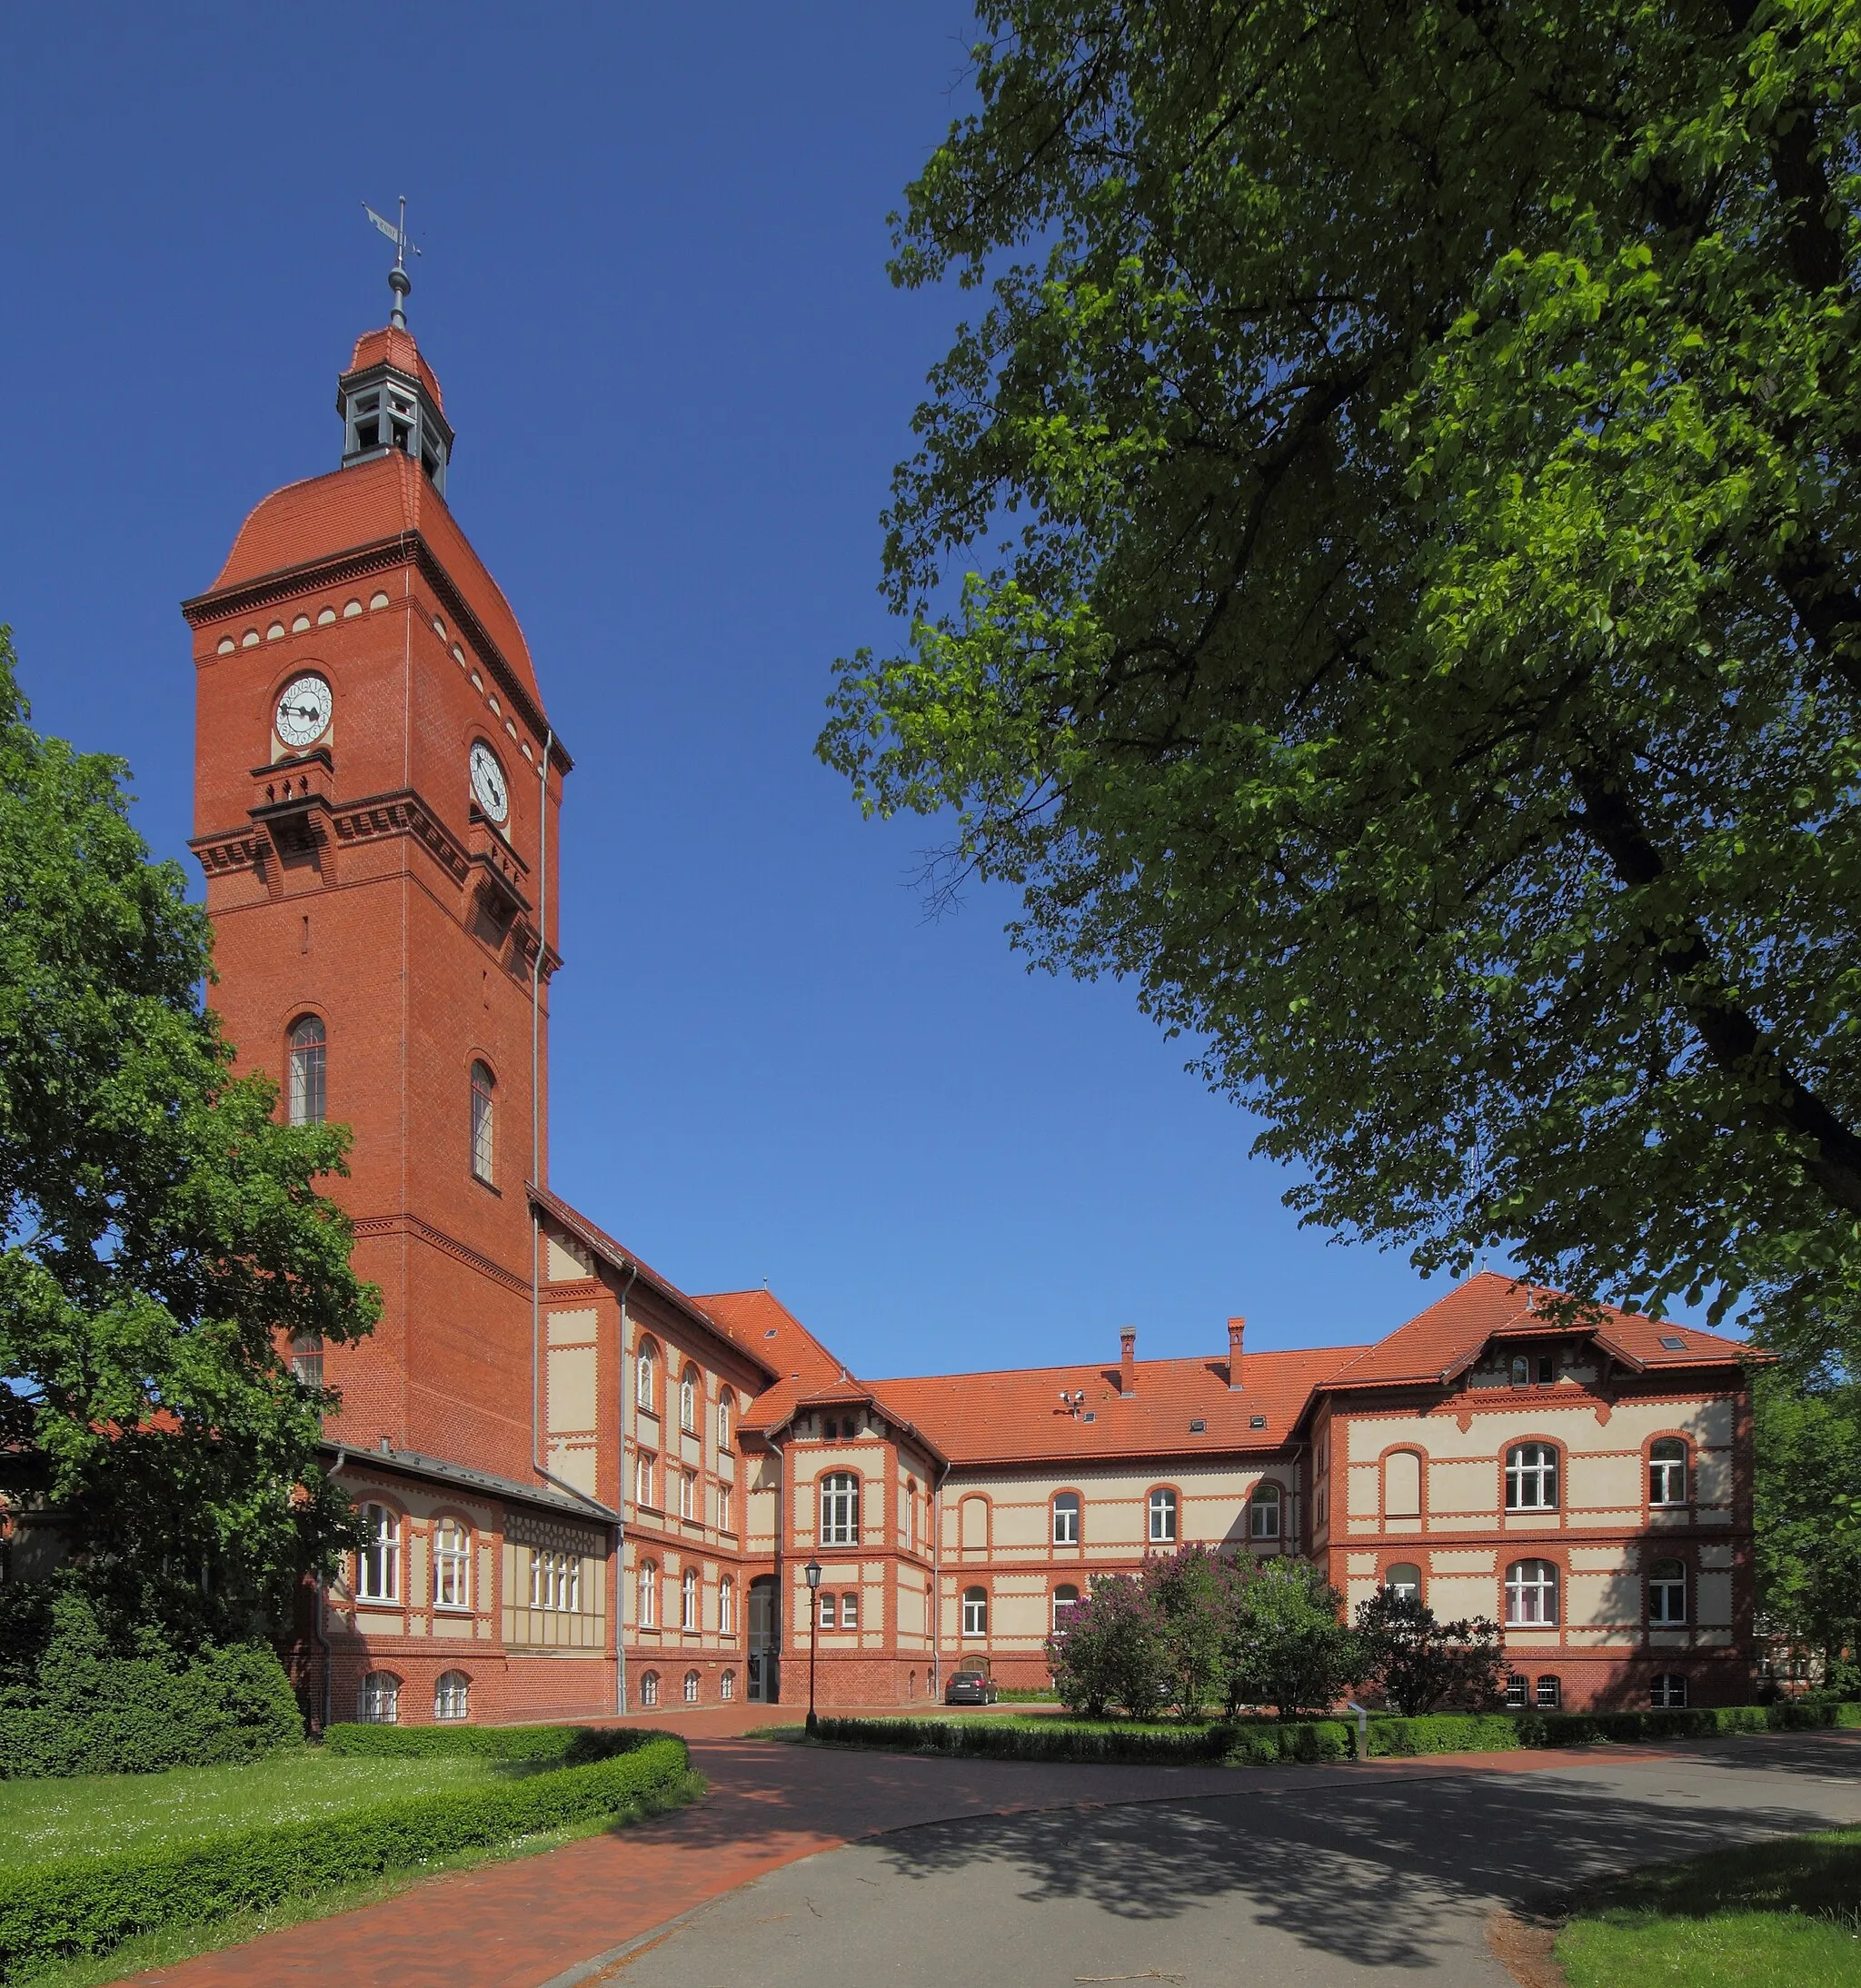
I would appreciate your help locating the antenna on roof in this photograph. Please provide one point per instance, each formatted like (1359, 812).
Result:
(399, 281)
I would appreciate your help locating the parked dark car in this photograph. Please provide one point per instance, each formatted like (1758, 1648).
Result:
(970, 1686)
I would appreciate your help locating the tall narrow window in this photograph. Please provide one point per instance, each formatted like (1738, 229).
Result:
(307, 1358)
(1263, 1512)
(310, 1047)
(975, 1612)
(1065, 1519)
(688, 1386)
(1065, 1598)
(483, 1124)
(723, 1509)
(839, 1509)
(643, 1480)
(1531, 1593)
(1163, 1518)
(452, 1566)
(1667, 1471)
(849, 1610)
(645, 1380)
(1666, 1592)
(1531, 1477)
(378, 1564)
(690, 1687)
(830, 1610)
(649, 1688)
(647, 1612)
(688, 1599)
(688, 1495)
(724, 1419)
(726, 1608)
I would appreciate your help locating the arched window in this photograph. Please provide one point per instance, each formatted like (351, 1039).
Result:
(1404, 1580)
(1666, 1592)
(690, 1386)
(688, 1599)
(1550, 1694)
(1531, 1477)
(483, 1124)
(724, 1419)
(727, 1686)
(850, 1609)
(378, 1564)
(726, 1608)
(1521, 1371)
(1065, 1519)
(1263, 1512)
(646, 1379)
(1163, 1518)
(690, 1687)
(1669, 1692)
(649, 1688)
(1065, 1598)
(451, 1566)
(379, 1701)
(975, 1612)
(451, 1695)
(646, 1614)
(1402, 1485)
(310, 1049)
(1531, 1593)
(839, 1509)
(1667, 1471)
(827, 1614)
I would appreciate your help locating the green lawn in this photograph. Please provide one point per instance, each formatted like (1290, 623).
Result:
(1782, 1915)
(97, 1813)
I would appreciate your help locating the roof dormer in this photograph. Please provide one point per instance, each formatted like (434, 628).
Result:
(390, 399)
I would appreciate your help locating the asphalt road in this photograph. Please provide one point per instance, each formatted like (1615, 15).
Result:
(1305, 1887)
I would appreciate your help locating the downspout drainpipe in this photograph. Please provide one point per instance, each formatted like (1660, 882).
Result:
(937, 1589)
(620, 1513)
(322, 1617)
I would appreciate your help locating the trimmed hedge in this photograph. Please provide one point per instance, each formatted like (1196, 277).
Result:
(1326, 1739)
(1701, 1721)
(87, 1905)
(571, 1745)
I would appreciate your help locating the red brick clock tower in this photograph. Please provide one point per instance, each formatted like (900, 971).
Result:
(377, 790)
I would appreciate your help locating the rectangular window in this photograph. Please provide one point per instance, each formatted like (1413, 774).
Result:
(839, 1510)
(1065, 1519)
(1550, 1694)
(452, 1566)
(688, 1490)
(1515, 1689)
(849, 1610)
(642, 1479)
(723, 1509)
(555, 1582)
(378, 1564)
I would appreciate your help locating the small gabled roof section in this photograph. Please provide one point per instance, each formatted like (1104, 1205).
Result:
(620, 1257)
(1437, 1346)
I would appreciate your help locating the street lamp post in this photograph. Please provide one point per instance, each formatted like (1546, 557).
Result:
(812, 1570)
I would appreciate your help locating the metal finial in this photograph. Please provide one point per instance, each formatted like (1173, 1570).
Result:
(399, 281)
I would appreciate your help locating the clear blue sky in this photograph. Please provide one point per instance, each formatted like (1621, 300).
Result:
(653, 289)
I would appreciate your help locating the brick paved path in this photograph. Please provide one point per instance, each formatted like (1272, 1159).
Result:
(565, 1916)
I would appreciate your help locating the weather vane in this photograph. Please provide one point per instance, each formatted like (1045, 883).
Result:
(399, 281)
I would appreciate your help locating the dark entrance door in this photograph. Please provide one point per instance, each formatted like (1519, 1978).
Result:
(765, 1641)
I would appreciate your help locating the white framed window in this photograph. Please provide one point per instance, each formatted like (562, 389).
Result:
(1669, 1692)
(727, 1686)
(452, 1566)
(1531, 1477)
(724, 1419)
(1517, 1692)
(1263, 1512)
(646, 1608)
(642, 1479)
(1065, 1519)
(649, 1688)
(727, 1606)
(378, 1564)
(688, 1495)
(1521, 1371)
(451, 1695)
(483, 1124)
(839, 1509)
(1667, 1593)
(690, 1687)
(688, 1386)
(307, 1358)
(1404, 1580)
(379, 1701)
(555, 1581)
(975, 1612)
(1163, 1518)
(850, 1609)
(645, 1378)
(1550, 1694)
(723, 1509)
(1667, 1471)
(1065, 1598)
(1531, 1593)
(306, 1100)
(688, 1599)
(826, 1610)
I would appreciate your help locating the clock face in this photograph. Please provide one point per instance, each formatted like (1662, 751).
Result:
(488, 783)
(303, 712)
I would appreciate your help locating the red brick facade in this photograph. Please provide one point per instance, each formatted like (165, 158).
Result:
(591, 1491)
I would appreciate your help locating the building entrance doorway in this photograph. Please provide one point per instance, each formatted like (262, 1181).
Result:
(765, 1641)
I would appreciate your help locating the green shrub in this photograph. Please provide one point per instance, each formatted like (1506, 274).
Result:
(81, 1705)
(1692, 1722)
(1444, 1733)
(1270, 1743)
(87, 1905)
(572, 1745)
(1259, 1741)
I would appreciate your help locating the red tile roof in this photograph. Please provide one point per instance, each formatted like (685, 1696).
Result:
(385, 498)
(394, 347)
(761, 1323)
(1438, 1342)
(1004, 1417)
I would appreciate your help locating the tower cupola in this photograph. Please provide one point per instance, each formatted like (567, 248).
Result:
(390, 399)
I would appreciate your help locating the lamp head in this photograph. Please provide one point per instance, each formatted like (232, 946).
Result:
(812, 1570)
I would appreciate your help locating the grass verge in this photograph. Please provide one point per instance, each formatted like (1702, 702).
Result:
(1779, 1915)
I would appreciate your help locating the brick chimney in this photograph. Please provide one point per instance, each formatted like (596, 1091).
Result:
(1236, 1327)
(1128, 1361)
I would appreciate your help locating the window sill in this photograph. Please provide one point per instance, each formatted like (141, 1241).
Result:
(490, 1186)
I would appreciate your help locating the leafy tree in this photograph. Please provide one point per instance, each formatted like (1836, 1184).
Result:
(1407, 475)
(1286, 1643)
(1195, 1592)
(1421, 1665)
(1808, 1517)
(1114, 1649)
(162, 1234)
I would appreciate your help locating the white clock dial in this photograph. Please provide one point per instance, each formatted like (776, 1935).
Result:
(488, 783)
(303, 711)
